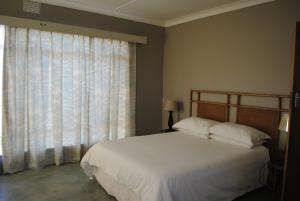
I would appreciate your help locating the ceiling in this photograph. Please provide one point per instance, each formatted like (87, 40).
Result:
(157, 12)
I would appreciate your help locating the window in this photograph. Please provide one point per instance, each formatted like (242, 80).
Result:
(1, 65)
(63, 92)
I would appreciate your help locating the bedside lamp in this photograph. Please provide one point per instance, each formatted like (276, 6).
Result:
(284, 128)
(170, 106)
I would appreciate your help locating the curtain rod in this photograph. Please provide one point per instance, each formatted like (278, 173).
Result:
(63, 28)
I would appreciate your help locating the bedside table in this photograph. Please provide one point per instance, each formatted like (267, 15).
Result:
(168, 130)
(275, 178)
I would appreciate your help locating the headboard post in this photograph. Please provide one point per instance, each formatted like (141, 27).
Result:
(191, 103)
(228, 106)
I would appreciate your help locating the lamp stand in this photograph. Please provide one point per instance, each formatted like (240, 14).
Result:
(170, 121)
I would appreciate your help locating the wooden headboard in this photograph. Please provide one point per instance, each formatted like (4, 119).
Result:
(263, 118)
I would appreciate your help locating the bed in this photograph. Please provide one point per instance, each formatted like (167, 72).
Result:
(182, 167)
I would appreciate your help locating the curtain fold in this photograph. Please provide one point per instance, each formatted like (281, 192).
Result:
(63, 93)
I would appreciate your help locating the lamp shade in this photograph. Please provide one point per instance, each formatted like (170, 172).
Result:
(284, 123)
(170, 105)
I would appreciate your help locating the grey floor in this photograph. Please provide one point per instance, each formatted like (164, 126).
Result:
(68, 183)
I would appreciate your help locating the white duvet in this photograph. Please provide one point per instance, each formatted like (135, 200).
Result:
(176, 167)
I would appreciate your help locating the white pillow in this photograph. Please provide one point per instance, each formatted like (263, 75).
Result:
(247, 135)
(234, 142)
(195, 126)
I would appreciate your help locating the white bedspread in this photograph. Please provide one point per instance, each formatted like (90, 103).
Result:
(179, 167)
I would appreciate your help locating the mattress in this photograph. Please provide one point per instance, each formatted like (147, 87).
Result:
(175, 167)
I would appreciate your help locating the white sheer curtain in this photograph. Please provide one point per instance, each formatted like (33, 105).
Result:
(63, 93)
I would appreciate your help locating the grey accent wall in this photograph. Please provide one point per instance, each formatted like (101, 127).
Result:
(149, 57)
(248, 50)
